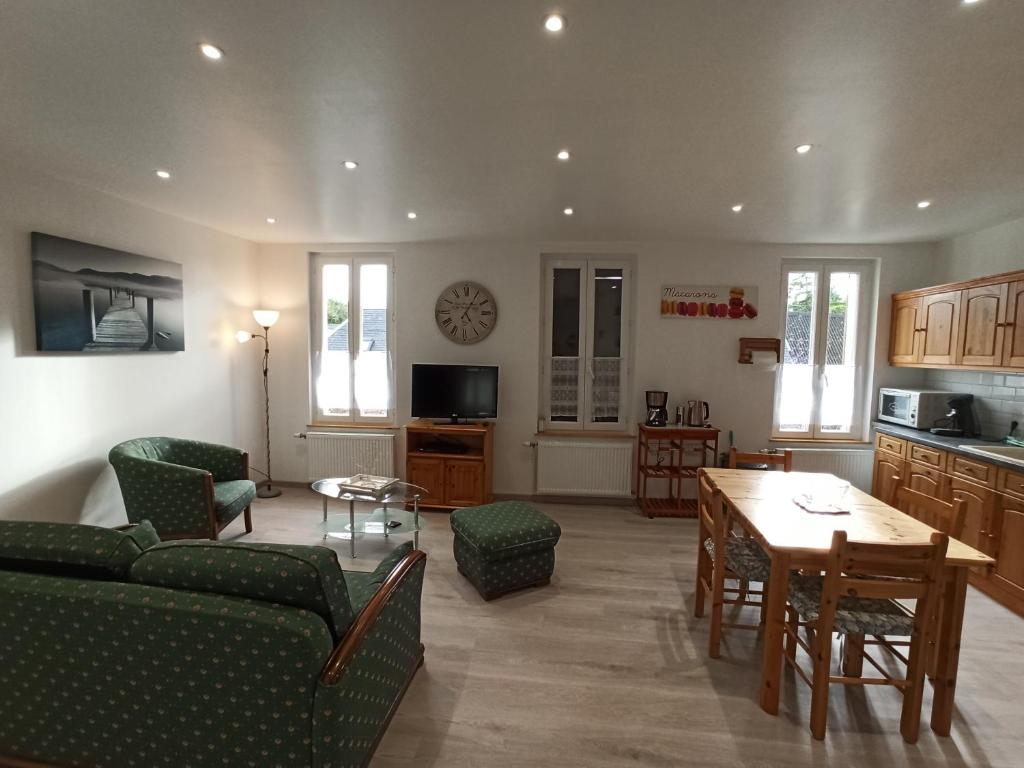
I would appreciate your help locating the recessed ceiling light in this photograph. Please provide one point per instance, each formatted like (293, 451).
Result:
(350, 164)
(163, 174)
(271, 220)
(563, 155)
(971, 2)
(554, 22)
(411, 215)
(803, 149)
(567, 211)
(923, 203)
(211, 51)
(737, 208)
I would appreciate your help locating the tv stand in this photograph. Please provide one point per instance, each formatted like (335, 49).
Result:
(454, 462)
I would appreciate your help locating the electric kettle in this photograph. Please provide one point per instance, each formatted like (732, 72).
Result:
(697, 413)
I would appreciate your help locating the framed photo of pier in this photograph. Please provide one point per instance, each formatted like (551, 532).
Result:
(89, 298)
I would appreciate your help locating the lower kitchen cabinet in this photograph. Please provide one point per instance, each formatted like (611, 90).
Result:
(1009, 572)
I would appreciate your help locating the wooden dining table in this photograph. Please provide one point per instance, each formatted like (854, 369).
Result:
(762, 503)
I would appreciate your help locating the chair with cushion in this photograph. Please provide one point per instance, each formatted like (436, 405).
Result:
(186, 488)
(721, 556)
(784, 459)
(858, 597)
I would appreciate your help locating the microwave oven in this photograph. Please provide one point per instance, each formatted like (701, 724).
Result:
(914, 408)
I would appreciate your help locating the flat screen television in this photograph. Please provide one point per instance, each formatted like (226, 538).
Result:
(454, 391)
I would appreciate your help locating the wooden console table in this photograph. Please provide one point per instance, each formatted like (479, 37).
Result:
(660, 455)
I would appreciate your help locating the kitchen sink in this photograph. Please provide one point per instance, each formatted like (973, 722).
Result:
(1005, 452)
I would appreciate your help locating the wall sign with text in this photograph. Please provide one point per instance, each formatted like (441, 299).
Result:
(715, 301)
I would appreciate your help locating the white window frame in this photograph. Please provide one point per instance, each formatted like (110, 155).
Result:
(866, 315)
(354, 261)
(587, 265)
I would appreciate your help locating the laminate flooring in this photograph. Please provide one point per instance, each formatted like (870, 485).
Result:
(607, 666)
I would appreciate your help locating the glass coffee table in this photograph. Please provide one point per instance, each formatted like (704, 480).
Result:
(389, 519)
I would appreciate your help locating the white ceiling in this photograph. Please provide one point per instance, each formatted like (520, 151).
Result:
(674, 111)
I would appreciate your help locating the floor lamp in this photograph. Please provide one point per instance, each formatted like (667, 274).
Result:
(265, 318)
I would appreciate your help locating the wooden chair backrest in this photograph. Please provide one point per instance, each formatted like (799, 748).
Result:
(858, 569)
(942, 515)
(784, 459)
(712, 513)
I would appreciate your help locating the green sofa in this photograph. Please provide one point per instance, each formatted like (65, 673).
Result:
(118, 650)
(186, 488)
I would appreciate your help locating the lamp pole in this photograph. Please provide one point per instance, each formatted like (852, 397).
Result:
(268, 491)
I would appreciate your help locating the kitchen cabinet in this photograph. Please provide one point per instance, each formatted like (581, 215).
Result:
(971, 325)
(452, 461)
(982, 316)
(980, 505)
(903, 346)
(940, 328)
(1013, 338)
(993, 498)
(883, 483)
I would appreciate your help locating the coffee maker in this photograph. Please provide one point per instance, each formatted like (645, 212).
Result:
(657, 410)
(959, 422)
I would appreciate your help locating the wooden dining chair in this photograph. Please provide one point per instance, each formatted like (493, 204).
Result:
(784, 459)
(858, 596)
(723, 556)
(948, 517)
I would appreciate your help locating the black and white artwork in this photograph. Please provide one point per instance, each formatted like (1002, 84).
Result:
(94, 299)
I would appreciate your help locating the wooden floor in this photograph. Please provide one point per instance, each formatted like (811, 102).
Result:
(607, 666)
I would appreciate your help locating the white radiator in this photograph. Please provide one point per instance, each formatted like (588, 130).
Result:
(568, 467)
(851, 464)
(343, 454)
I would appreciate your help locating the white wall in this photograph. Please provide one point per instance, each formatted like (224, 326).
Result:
(978, 254)
(690, 359)
(61, 413)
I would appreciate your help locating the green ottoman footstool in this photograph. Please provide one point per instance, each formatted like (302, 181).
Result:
(504, 546)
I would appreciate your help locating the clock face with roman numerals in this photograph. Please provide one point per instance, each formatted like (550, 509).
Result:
(466, 312)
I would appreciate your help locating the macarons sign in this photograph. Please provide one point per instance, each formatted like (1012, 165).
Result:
(720, 302)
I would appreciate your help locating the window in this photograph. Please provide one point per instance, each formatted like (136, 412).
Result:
(351, 366)
(586, 345)
(821, 386)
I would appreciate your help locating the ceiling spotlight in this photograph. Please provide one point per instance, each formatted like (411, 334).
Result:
(923, 203)
(567, 211)
(554, 22)
(271, 220)
(411, 215)
(971, 2)
(162, 174)
(737, 208)
(563, 155)
(350, 164)
(211, 51)
(803, 149)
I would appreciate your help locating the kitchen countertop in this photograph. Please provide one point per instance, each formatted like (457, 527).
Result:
(951, 444)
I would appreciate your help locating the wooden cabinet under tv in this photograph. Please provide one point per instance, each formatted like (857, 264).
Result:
(454, 462)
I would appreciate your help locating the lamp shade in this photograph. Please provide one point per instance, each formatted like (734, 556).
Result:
(242, 336)
(266, 317)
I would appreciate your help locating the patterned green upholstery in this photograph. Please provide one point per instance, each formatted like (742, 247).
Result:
(360, 703)
(504, 546)
(362, 586)
(301, 576)
(73, 548)
(854, 615)
(164, 479)
(744, 557)
(97, 672)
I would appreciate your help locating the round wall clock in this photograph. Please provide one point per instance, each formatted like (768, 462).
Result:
(465, 312)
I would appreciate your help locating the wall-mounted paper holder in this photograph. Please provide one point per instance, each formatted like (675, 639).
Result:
(748, 346)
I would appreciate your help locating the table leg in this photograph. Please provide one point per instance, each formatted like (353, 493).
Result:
(325, 518)
(352, 528)
(947, 652)
(416, 522)
(774, 633)
(385, 508)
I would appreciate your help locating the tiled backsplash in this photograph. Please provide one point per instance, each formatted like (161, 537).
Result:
(998, 397)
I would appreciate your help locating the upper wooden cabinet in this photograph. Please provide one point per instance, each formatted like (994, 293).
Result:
(976, 325)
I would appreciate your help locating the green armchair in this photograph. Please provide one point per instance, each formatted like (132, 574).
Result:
(185, 488)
